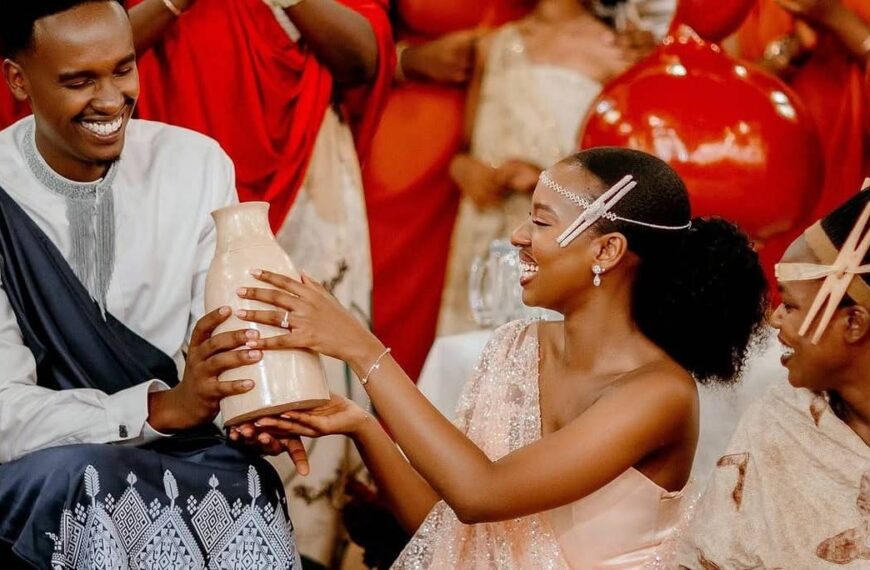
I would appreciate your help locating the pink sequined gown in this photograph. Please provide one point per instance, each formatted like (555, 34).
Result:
(630, 523)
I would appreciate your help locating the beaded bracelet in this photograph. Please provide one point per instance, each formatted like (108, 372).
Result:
(399, 74)
(365, 379)
(170, 5)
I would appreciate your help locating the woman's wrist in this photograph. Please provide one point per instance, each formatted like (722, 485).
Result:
(363, 432)
(365, 354)
(399, 74)
(784, 54)
(177, 7)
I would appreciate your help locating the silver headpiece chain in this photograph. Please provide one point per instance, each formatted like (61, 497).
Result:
(602, 207)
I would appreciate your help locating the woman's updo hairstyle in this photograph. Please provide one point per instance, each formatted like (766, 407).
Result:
(700, 293)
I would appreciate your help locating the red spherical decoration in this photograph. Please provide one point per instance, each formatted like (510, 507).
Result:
(738, 136)
(713, 20)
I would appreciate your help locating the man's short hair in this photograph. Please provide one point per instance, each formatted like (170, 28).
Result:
(18, 19)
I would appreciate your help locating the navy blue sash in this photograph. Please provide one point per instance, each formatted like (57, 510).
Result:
(189, 501)
(73, 345)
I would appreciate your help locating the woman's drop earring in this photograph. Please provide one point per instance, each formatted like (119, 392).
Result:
(597, 270)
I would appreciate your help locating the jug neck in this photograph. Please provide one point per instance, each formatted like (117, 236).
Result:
(243, 225)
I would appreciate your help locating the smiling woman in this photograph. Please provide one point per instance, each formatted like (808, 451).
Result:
(574, 440)
(673, 268)
(823, 279)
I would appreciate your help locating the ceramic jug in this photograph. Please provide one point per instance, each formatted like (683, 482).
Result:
(284, 379)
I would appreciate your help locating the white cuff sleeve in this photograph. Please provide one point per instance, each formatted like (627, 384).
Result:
(128, 414)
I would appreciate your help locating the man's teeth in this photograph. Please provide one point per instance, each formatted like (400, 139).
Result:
(104, 129)
(787, 351)
(528, 267)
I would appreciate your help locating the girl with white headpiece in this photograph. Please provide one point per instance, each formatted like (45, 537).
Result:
(574, 440)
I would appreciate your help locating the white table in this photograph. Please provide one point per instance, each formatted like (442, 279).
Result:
(452, 360)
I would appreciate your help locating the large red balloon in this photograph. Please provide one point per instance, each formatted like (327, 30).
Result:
(739, 137)
(713, 20)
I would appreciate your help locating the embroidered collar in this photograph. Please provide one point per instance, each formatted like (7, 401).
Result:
(90, 212)
(58, 184)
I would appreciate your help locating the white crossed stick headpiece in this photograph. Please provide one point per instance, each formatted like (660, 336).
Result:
(838, 276)
(601, 208)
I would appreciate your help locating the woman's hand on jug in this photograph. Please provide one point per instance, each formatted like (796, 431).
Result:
(314, 319)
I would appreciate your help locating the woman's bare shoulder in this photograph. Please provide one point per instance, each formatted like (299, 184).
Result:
(663, 386)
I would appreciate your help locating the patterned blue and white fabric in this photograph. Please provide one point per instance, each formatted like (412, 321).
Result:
(189, 501)
(171, 532)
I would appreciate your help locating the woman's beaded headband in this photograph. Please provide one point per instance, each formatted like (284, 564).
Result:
(601, 208)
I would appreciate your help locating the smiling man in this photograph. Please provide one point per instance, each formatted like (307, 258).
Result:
(78, 134)
(107, 459)
(793, 490)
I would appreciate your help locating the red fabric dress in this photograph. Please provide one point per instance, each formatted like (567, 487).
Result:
(227, 69)
(410, 198)
(832, 86)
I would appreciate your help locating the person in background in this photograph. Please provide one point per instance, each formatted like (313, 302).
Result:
(820, 47)
(533, 83)
(411, 199)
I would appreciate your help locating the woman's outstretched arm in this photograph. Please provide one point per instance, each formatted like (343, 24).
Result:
(406, 492)
(409, 496)
(627, 424)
